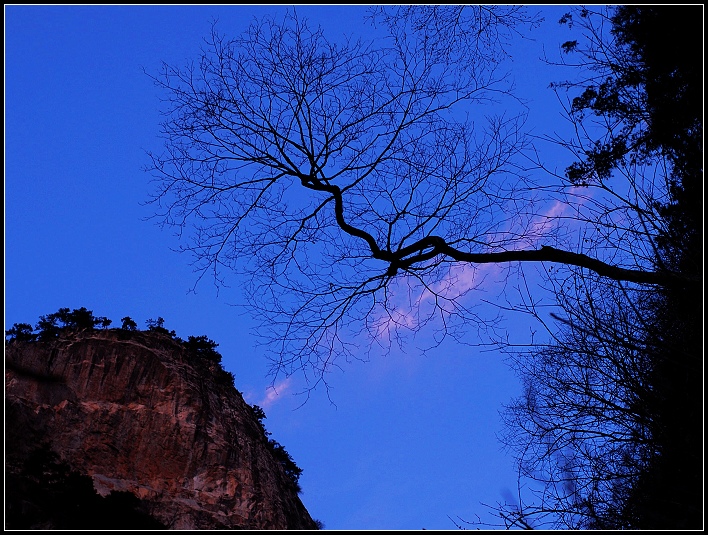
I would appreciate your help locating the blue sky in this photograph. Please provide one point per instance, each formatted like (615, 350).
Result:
(404, 441)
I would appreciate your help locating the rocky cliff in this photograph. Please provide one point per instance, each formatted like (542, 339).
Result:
(138, 413)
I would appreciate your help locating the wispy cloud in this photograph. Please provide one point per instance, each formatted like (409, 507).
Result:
(414, 304)
(275, 393)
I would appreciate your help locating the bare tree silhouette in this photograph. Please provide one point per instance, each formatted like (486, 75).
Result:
(327, 172)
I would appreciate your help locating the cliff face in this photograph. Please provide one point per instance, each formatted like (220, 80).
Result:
(131, 411)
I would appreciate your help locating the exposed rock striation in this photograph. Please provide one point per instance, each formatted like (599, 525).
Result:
(134, 413)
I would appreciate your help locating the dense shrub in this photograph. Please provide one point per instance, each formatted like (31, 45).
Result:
(202, 347)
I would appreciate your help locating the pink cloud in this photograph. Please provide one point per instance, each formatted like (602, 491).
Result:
(408, 311)
(274, 392)
(544, 222)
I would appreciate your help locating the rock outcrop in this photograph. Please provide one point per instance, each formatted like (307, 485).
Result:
(135, 413)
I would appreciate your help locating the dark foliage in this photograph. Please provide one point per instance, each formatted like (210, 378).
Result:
(202, 347)
(612, 414)
(663, 50)
(49, 327)
(286, 461)
(47, 494)
(225, 377)
(158, 327)
(202, 353)
(653, 86)
(22, 332)
(283, 458)
(128, 324)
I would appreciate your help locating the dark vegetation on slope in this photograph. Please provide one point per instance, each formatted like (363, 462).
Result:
(47, 494)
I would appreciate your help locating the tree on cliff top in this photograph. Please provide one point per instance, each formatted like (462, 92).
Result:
(49, 326)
